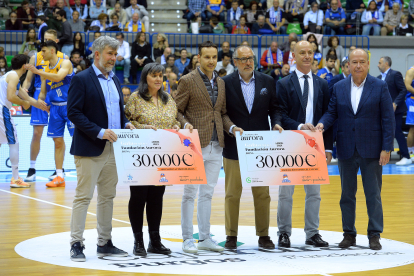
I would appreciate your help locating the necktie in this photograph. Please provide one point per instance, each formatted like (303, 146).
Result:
(305, 93)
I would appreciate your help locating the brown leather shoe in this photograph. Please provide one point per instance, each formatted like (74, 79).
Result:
(266, 243)
(374, 243)
(348, 241)
(231, 242)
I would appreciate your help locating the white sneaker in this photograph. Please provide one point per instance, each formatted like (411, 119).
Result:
(211, 245)
(189, 246)
(404, 161)
(334, 160)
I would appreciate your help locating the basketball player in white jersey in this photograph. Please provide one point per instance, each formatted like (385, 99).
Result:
(9, 95)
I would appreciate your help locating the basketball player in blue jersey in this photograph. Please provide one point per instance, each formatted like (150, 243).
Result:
(9, 95)
(39, 118)
(56, 79)
(409, 84)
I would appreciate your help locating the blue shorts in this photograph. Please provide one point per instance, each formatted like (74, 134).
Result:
(39, 117)
(410, 111)
(58, 120)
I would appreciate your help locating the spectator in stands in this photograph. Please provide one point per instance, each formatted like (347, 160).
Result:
(142, 12)
(182, 62)
(316, 54)
(328, 71)
(276, 18)
(411, 11)
(404, 28)
(313, 19)
(160, 45)
(285, 46)
(246, 43)
(42, 28)
(101, 22)
(225, 64)
(77, 24)
(333, 43)
(277, 74)
(233, 16)
(371, 18)
(174, 91)
(64, 6)
(315, 66)
(30, 43)
(3, 66)
(88, 51)
(354, 5)
(253, 14)
(272, 58)
(120, 12)
(225, 48)
(39, 9)
(76, 60)
(13, 24)
(126, 92)
(124, 56)
(288, 57)
(135, 25)
(391, 20)
(214, 27)
(332, 52)
(27, 15)
(171, 63)
(167, 72)
(196, 9)
(52, 22)
(335, 19)
(65, 38)
(78, 45)
(222, 73)
(216, 8)
(163, 58)
(54, 3)
(295, 9)
(82, 9)
(4, 9)
(140, 55)
(172, 79)
(96, 10)
(115, 24)
(192, 65)
(242, 27)
(388, 4)
(260, 26)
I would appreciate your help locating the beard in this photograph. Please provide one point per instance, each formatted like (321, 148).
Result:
(107, 68)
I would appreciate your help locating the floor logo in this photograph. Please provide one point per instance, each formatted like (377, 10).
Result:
(248, 259)
(248, 180)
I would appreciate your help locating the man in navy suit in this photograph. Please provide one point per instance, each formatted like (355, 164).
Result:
(303, 98)
(95, 107)
(397, 89)
(363, 107)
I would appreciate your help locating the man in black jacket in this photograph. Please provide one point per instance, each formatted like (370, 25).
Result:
(66, 37)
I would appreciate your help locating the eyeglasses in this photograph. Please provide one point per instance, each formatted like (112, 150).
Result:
(245, 60)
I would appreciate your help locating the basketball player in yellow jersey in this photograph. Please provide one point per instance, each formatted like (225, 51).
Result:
(39, 118)
(56, 78)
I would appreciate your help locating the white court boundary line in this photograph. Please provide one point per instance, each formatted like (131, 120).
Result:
(89, 213)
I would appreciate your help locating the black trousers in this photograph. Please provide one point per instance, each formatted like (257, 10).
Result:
(135, 66)
(141, 196)
(399, 135)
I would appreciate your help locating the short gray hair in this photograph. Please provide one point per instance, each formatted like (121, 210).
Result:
(396, 4)
(101, 42)
(235, 55)
(344, 62)
(387, 60)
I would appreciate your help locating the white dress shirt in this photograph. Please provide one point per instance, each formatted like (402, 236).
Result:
(309, 107)
(311, 16)
(356, 92)
(229, 69)
(124, 50)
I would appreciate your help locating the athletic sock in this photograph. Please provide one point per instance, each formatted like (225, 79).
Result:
(14, 159)
(59, 172)
(32, 164)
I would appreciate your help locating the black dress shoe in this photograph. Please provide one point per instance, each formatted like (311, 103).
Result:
(284, 240)
(348, 241)
(231, 242)
(374, 243)
(139, 248)
(317, 241)
(266, 243)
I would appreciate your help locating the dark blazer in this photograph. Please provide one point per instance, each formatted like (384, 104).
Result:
(333, 81)
(371, 129)
(397, 89)
(87, 111)
(264, 106)
(289, 95)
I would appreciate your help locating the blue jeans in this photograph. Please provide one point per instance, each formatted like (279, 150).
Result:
(366, 29)
(220, 16)
(67, 49)
(191, 15)
(338, 30)
(127, 65)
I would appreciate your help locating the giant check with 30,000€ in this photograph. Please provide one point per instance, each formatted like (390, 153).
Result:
(293, 157)
(161, 157)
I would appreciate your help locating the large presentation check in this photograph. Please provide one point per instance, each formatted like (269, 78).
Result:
(161, 157)
(293, 157)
